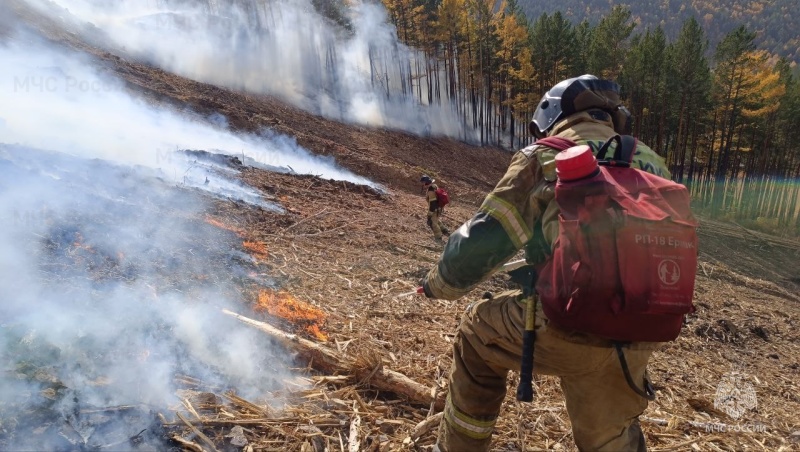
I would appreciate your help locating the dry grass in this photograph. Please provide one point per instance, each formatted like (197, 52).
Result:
(356, 255)
(350, 252)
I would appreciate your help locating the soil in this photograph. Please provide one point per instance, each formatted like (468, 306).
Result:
(352, 251)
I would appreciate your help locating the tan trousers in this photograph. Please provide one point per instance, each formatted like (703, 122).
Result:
(435, 223)
(603, 409)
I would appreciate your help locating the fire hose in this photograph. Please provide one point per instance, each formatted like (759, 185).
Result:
(523, 274)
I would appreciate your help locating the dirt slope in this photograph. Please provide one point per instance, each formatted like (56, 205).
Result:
(350, 251)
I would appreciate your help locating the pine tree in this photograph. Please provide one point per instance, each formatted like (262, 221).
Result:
(732, 82)
(643, 79)
(555, 47)
(513, 37)
(609, 43)
(689, 78)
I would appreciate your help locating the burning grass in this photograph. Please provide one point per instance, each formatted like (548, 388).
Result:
(297, 312)
(371, 323)
(256, 249)
(220, 224)
(376, 330)
(359, 268)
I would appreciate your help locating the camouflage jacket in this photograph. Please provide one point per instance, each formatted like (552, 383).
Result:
(520, 212)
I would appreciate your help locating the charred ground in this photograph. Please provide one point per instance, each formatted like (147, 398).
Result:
(349, 250)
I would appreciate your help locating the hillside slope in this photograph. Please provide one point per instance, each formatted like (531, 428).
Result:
(774, 21)
(351, 251)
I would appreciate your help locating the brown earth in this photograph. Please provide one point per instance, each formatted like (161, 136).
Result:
(350, 251)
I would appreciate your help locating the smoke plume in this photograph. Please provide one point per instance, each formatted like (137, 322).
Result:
(111, 282)
(286, 49)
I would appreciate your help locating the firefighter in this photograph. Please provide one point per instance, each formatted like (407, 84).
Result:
(521, 213)
(435, 212)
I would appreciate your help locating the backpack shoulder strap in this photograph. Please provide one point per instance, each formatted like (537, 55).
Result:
(559, 143)
(623, 153)
(627, 149)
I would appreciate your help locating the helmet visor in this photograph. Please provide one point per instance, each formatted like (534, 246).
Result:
(547, 113)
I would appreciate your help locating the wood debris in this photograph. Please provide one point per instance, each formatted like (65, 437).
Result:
(374, 334)
(350, 250)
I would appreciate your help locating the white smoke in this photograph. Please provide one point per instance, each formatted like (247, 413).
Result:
(56, 100)
(98, 305)
(284, 48)
(98, 249)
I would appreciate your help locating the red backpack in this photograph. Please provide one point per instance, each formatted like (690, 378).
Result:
(623, 265)
(442, 197)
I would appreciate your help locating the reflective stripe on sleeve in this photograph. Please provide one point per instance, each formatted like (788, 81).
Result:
(509, 217)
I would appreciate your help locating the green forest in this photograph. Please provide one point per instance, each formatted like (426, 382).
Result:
(727, 124)
(776, 22)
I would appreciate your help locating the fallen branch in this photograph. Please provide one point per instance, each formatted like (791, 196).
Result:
(197, 432)
(426, 426)
(329, 361)
(255, 421)
(353, 443)
(264, 411)
(187, 445)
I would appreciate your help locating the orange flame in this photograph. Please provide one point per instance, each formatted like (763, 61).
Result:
(78, 243)
(258, 249)
(219, 224)
(297, 312)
